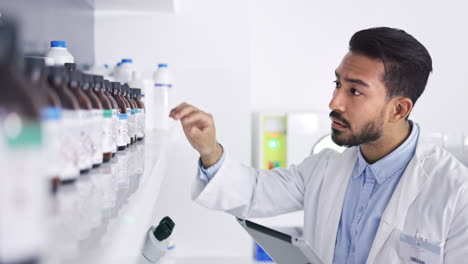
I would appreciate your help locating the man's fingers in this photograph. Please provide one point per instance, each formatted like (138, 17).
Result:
(194, 132)
(180, 110)
(198, 118)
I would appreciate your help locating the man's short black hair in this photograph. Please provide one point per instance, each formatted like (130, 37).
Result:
(407, 62)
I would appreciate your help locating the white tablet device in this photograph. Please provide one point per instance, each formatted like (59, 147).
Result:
(281, 247)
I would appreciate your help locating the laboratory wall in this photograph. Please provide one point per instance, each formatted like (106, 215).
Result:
(206, 45)
(46, 20)
(296, 46)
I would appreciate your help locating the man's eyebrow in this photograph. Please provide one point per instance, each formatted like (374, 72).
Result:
(355, 81)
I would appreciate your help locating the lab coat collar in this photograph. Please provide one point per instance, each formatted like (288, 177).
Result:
(386, 167)
(411, 184)
(337, 177)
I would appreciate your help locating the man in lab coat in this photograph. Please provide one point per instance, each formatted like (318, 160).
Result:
(389, 198)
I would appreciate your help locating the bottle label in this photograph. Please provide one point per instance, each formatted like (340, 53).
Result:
(97, 135)
(115, 128)
(51, 118)
(140, 121)
(122, 135)
(51, 129)
(20, 134)
(107, 113)
(70, 143)
(108, 127)
(86, 146)
(163, 85)
(132, 123)
(23, 196)
(51, 113)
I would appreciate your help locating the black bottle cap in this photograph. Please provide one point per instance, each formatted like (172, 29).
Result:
(138, 92)
(164, 229)
(125, 88)
(9, 42)
(115, 87)
(34, 67)
(169, 221)
(98, 82)
(107, 86)
(70, 66)
(122, 89)
(56, 74)
(85, 81)
(75, 79)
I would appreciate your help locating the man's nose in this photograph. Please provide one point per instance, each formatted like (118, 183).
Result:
(338, 101)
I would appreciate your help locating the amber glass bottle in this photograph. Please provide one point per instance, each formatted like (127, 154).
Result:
(70, 135)
(115, 113)
(75, 82)
(107, 122)
(97, 129)
(140, 114)
(122, 136)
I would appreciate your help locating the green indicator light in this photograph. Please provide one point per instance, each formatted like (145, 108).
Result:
(273, 144)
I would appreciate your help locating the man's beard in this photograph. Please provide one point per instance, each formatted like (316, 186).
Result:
(371, 132)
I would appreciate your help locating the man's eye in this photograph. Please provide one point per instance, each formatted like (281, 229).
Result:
(337, 84)
(355, 92)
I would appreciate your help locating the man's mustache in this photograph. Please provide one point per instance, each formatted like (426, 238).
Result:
(338, 116)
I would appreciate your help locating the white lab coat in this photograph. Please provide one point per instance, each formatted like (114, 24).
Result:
(431, 199)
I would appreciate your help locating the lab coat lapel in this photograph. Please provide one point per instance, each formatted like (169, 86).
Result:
(409, 187)
(335, 183)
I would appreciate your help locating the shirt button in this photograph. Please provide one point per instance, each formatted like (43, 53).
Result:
(360, 209)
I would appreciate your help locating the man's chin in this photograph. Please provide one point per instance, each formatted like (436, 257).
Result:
(339, 138)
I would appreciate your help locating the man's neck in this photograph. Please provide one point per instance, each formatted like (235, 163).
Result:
(390, 141)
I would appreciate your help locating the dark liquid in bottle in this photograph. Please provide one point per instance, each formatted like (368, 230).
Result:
(115, 106)
(36, 74)
(122, 106)
(133, 107)
(141, 106)
(106, 105)
(88, 88)
(75, 85)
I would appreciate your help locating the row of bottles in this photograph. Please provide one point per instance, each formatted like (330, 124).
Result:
(86, 119)
(156, 93)
(56, 124)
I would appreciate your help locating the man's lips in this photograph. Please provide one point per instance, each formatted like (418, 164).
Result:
(337, 124)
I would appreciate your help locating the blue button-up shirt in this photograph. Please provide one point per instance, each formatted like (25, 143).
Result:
(367, 196)
(369, 191)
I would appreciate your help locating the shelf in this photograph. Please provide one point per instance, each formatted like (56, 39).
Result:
(134, 5)
(104, 215)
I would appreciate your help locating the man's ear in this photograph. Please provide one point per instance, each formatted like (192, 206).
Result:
(400, 108)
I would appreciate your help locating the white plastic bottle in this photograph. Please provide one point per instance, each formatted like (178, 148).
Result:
(59, 53)
(156, 242)
(137, 80)
(160, 99)
(125, 71)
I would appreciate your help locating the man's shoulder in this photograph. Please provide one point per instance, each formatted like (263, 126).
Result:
(445, 173)
(438, 162)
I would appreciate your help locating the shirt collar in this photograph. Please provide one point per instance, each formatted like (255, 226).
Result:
(388, 165)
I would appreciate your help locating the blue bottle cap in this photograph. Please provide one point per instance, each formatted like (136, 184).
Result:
(162, 65)
(127, 60)
(58, 43)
